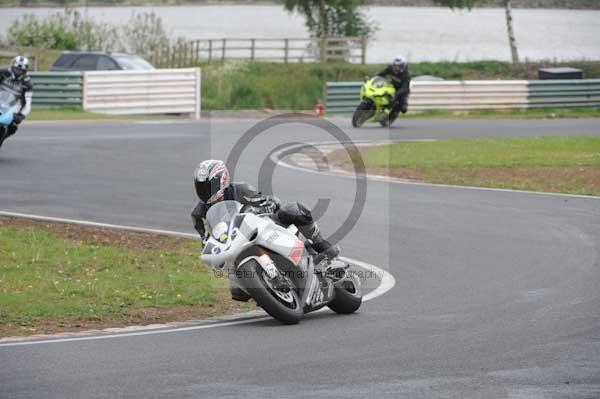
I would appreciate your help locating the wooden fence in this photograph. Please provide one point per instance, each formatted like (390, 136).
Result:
(287, 50)
(7, 56)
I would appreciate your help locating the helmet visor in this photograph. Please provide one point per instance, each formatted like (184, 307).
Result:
(398, 68)
(206, 189)
(18, 71)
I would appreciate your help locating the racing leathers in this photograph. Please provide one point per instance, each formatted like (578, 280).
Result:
(21, 87)
(401, 82)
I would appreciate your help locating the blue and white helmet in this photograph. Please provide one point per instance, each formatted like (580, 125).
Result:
(19, 67)
(399, 64)
(211, 180)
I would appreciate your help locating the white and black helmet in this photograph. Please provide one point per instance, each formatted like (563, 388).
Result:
(399, 64)
(211, 180)
(19, 66)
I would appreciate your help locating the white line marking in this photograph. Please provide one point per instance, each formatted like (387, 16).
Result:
(275, 157)
(135, 334)
(95, 224)
(386, 284)
(387, 280)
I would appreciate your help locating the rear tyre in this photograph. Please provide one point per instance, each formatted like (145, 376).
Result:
(3, 134)
(285, 307)
(364, 111)
(348, 297)
(387, 120)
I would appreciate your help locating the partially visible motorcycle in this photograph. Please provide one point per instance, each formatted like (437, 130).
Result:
(9, 105)
(376, 95)
(271, 264)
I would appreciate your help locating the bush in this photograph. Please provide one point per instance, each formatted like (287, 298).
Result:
(145, 34)
(62, 31)
(70, 30)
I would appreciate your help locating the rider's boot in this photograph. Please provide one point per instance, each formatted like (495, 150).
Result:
(326, 252)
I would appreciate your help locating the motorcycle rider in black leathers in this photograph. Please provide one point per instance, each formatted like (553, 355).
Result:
(399, 76)
(213, 184)
(16, 81)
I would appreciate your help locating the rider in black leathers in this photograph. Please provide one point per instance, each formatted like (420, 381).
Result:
(400, 77)
(16, 81)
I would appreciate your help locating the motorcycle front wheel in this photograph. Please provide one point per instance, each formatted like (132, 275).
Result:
(283, 306)
(364, 111)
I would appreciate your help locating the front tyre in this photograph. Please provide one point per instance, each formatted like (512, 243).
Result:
(364, 111)
(285, 307)
(348, 296)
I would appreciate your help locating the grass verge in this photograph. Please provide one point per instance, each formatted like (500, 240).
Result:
(531, 113)
(56, 277)
(261, 85)
(78, 114)
(552, 164)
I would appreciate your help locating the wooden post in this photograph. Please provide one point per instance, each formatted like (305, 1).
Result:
(363, 50)
(209, 50)
(323, 50)
(182, 54)
(252, 48)
(223, 50)
(511, 34)
(286, 51)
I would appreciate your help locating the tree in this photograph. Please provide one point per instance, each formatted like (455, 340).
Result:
(331, 17)
(509, 20)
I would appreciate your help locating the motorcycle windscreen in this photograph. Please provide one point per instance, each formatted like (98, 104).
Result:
(8, 107)
(379, 82)
(219, 218)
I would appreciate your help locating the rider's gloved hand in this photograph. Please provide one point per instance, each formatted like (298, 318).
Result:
(270, 205)
(18, 118)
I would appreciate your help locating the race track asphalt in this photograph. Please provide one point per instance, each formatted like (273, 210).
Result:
(497, 294)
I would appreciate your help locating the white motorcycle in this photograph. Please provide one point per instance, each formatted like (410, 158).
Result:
(272, 265)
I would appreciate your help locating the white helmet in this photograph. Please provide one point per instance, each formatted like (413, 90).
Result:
(399, 64)
(211, 180)
(19, 66)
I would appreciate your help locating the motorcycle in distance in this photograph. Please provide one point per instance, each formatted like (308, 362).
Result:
(9, 106)
(272, 265)
(376, 95)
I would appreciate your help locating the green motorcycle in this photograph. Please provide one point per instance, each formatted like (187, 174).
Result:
(376, 96)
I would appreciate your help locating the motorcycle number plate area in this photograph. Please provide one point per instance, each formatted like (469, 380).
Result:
(268, 266)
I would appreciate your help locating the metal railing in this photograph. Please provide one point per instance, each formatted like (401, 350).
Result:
(292, 50)
(57, 89)
(160, 91)
(566, 93)
(120, 92)
(343, 97)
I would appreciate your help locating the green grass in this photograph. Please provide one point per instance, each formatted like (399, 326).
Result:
(531, 113)
(76, 113)
(558, 164)
(258, 85)
(490, 153)
(46, 277)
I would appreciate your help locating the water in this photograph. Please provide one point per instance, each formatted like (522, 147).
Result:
(422, 34)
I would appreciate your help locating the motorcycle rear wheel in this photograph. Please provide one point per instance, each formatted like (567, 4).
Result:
(283, 307)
